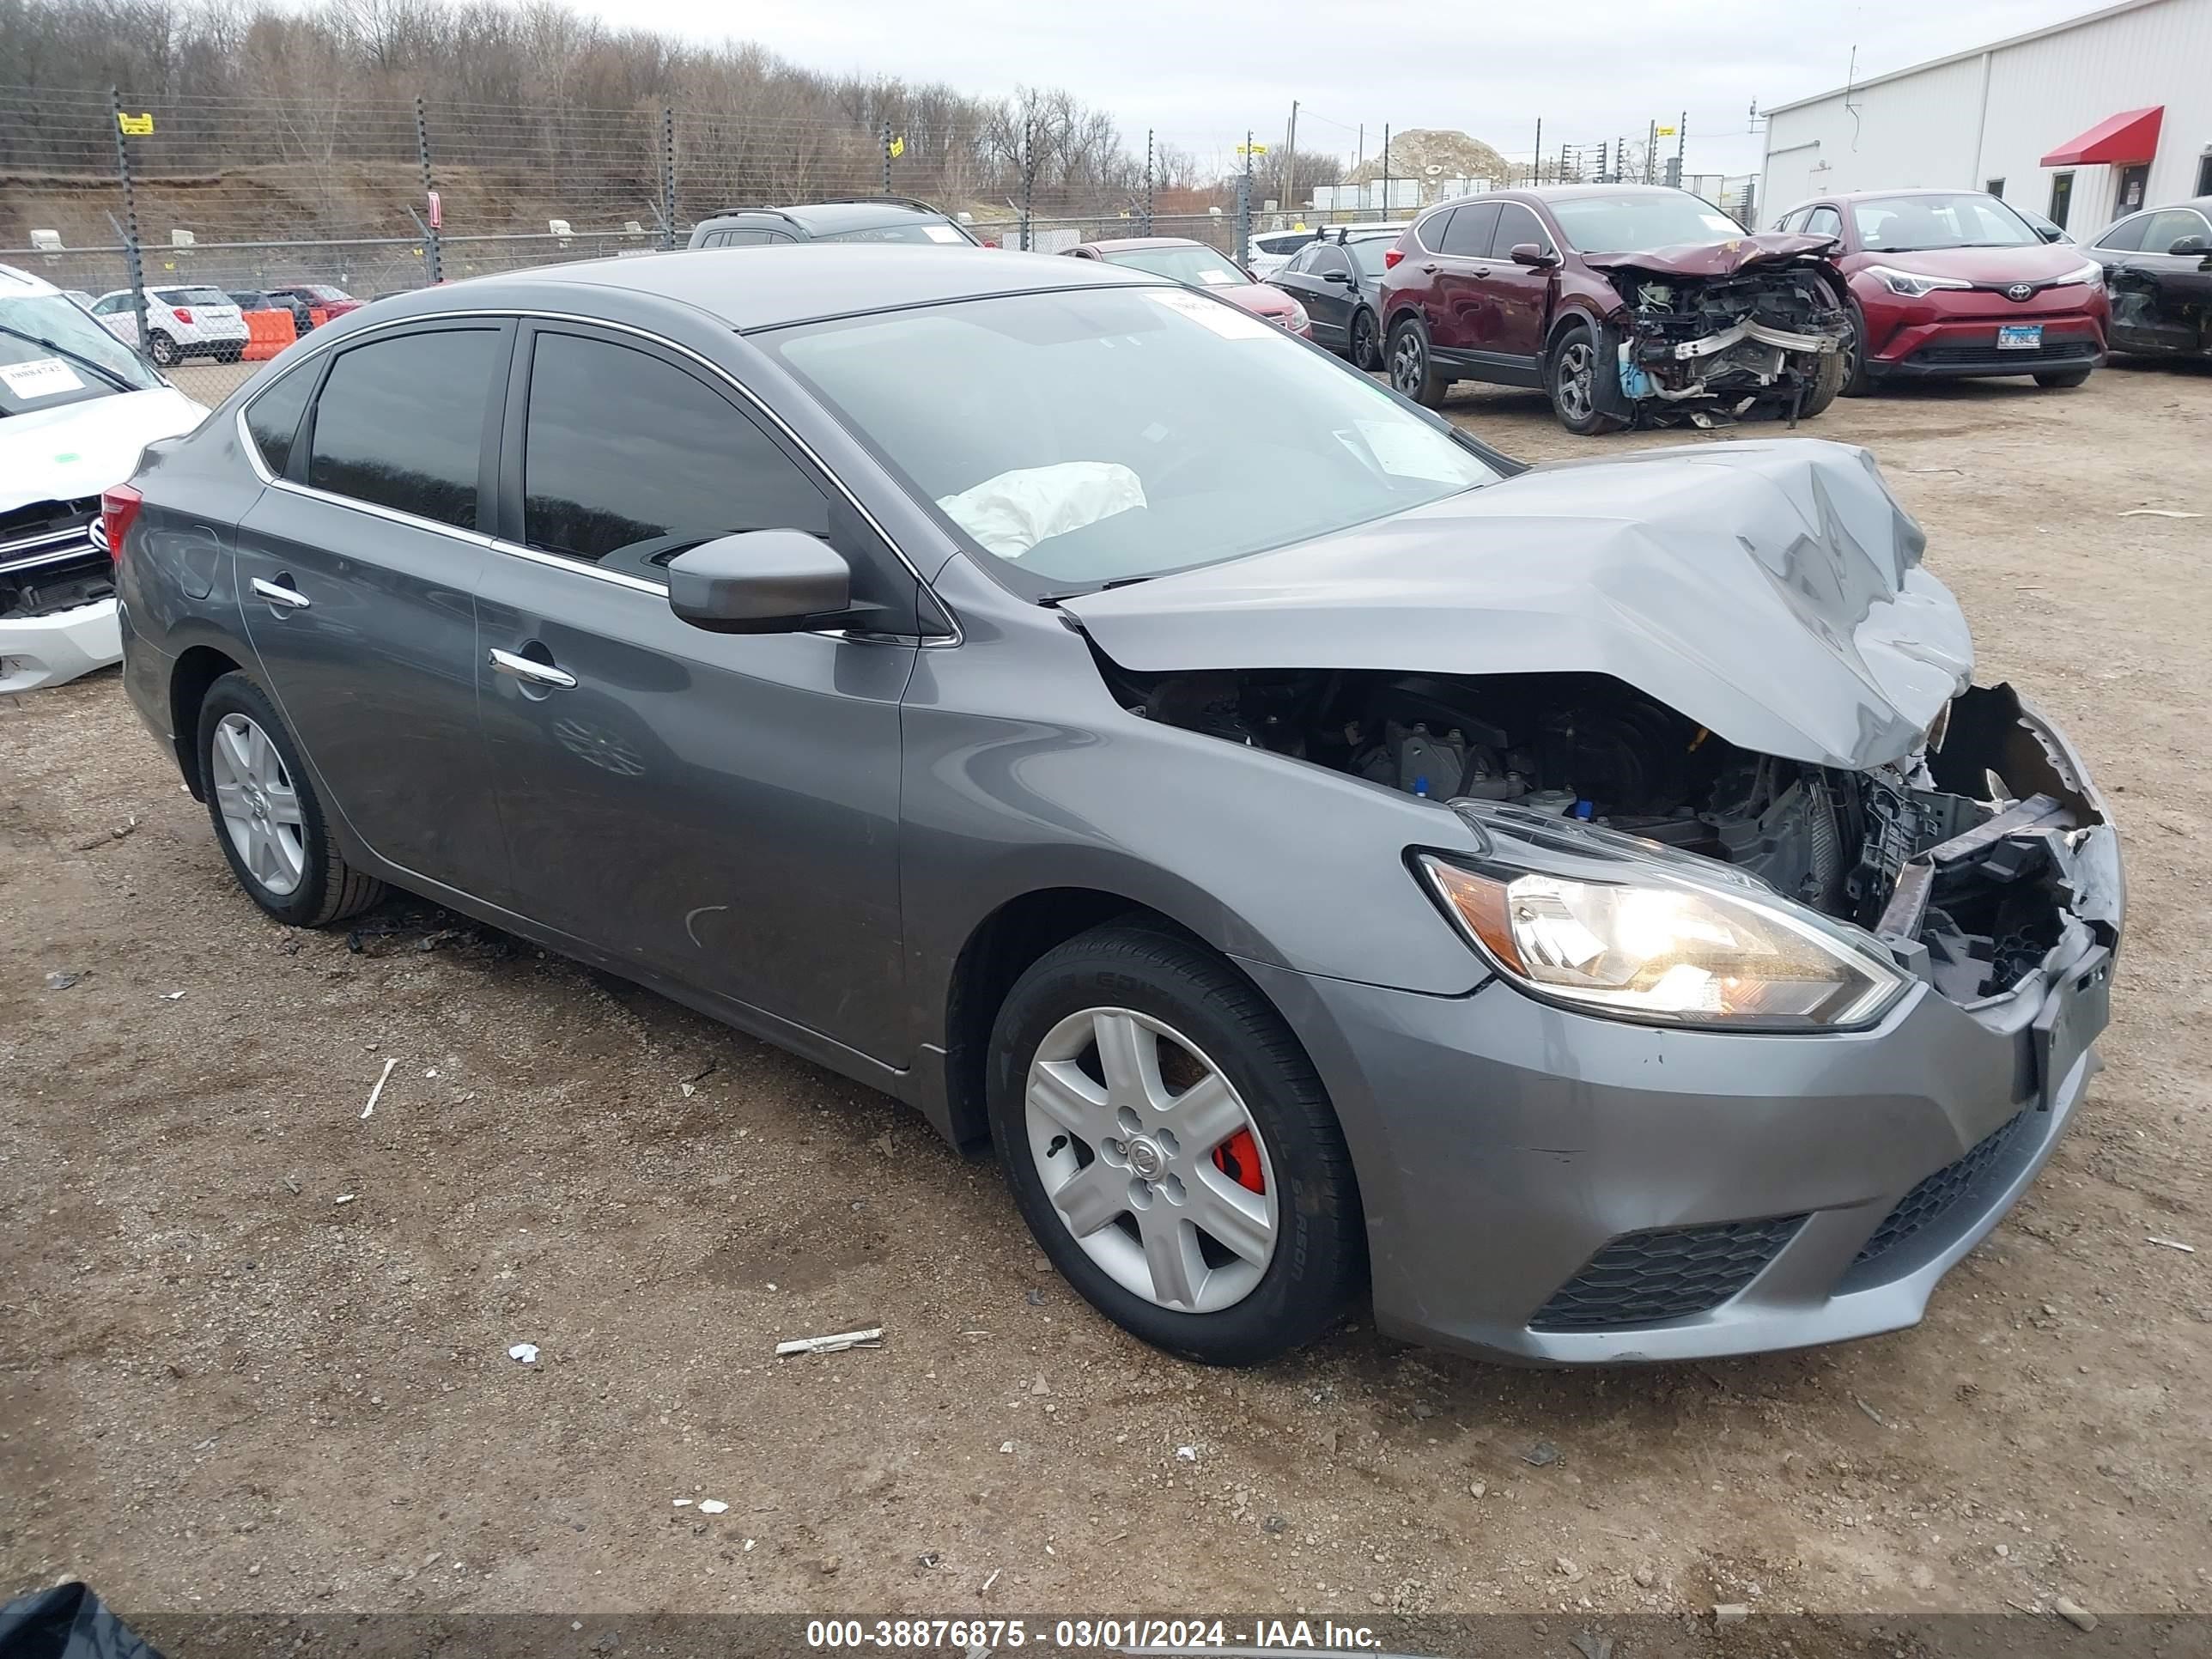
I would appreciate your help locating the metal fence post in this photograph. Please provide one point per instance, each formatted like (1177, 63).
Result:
(887, 158)
(1148, 181)
(434, 254)
(1028, 179)
(1244, 204)
(1386, 170)
(130, 255)
(667, 177)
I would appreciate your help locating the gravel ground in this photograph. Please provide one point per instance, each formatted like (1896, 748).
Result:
(254, 1345)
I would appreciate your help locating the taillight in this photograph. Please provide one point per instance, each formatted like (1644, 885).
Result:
(118, 511)
(184, 316)
(1390, 257)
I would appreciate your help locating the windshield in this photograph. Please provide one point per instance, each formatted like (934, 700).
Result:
(1902, 224)
(1194, 267)
(51, 353)
(1623, 224)
(1369, 252)
(1100, 435)
(923, 231)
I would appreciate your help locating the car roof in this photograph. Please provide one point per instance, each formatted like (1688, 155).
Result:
(827, 218)
(807, 283)
(22, 285)
(1130, 244)
(1566, 193)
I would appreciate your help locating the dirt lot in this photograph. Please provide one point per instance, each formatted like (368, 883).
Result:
(253, 1346)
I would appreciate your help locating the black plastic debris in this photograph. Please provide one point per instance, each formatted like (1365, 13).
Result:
(66, 1622)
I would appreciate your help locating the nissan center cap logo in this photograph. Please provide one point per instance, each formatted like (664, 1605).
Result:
(2020, 291)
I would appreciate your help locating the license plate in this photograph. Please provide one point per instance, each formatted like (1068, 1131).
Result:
(2020, 336)
(2073, 1015)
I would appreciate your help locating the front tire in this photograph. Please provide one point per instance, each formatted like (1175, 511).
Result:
(1571, 378)
(1171, 1149)
(2058, 377)
(162, 350)
(1413, 365)
(1827, 385)
(266, 814)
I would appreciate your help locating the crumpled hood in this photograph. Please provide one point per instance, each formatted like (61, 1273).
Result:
(1763, 247)
(1770, 591)
(75, 450)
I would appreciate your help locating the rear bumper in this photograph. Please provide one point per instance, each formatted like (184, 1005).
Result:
(42, 651)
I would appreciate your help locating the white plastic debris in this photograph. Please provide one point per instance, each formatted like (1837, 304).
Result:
(2159, 512)
(376, 1093)
(343, 1198)
(712, 1506)
(524, 1351)
(683, 1502)
(871, 1338)
(172, 996)
(2170, 1244)
(1188, 1454)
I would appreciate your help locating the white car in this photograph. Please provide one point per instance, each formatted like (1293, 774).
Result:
(192, 321)
(1273, 250)
(76, 409)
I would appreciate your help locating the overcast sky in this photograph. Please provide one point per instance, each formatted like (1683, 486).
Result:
(1200, 71)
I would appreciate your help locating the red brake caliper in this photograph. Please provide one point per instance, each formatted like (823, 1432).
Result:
(1238, 1157)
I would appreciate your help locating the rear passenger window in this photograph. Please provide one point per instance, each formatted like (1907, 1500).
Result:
(2127, 236)
(1468, 234)
(623, 448)
(272, 420)
(400, 423)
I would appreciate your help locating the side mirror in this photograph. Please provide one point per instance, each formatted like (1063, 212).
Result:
(761, 581)
(2050, 232)
(2189, 244)
(1337, 277)
(1533, 256)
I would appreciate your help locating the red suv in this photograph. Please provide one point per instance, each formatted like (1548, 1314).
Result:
(1951, 282)
(1629, 304)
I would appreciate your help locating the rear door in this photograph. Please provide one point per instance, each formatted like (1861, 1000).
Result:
(1521, 295)
(356, 571)
(722, 808)
(1463, 281)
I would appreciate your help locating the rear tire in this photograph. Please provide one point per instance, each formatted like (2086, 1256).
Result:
(1856, 382)
(1570, 377)
(1266, 1141)
(1364, 345)
(267, 817)
(162, 348)
(2059, 378)
(1412, 366)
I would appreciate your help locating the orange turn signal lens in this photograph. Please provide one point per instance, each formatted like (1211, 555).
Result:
(1479, 902)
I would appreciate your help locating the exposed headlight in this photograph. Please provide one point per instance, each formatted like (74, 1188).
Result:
(2089, 272)
(1297, 322)
(1912, 283)
(1656, 943)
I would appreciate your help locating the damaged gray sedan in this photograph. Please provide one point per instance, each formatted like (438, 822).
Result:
(1589, 909)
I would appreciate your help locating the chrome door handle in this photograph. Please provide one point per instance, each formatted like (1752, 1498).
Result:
(531, 671)
(276, 593)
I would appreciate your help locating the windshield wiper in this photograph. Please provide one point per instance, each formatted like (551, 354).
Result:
(78, 358)
(1078, 592)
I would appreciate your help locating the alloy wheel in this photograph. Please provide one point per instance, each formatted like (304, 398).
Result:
(1572, 379)
(163, 348)
(260, 808)
(1151, 1160)
(1363, 341)
(1848, 349)
(1406, 369)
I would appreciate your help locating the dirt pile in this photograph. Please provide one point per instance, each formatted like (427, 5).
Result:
(1416, 150)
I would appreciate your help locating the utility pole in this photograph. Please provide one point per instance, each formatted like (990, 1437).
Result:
(1650, 151)
(1386, 169)
(1360, 157)
(1291, 163)
(1536, 166)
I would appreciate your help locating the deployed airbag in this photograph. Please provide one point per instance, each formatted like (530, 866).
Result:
(1012, 513)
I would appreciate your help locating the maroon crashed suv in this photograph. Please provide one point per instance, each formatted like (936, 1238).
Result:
(1629, 304)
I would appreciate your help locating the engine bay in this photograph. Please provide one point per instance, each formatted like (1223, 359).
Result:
(1957, 857)
(1716, 349)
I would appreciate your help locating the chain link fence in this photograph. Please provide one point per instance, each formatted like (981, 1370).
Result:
(122, 197)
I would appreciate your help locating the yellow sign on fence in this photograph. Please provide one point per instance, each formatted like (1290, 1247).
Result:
(135, 126)
(1251, 150)
(1666, 132)
(898, 145)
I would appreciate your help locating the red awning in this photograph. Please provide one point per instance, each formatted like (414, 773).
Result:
(2123, 140)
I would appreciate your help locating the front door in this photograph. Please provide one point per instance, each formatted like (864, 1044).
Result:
(722, 809)
(355, 575)
(1323, 278)
(2176, 313)
(1523, 294)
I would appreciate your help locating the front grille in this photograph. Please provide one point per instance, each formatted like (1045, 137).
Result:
(45, 532)
(1647, 1279)
(1926, 1205)
(1979, 356)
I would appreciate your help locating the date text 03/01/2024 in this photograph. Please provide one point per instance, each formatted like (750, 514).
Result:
(1133, 1634)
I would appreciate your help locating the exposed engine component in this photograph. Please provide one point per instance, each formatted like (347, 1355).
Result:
(1716, 349)
(1971, 880)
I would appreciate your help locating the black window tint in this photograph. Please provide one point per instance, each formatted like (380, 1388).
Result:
(273, 418)
(2127, 236)
(622, 448)
(1515, 225)
(1431, 232)
(1327, 259)
(1303, 260)
(401, 423)
(1468, 234)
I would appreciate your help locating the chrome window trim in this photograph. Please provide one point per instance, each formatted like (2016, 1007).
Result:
(582, 566)
(510, 314)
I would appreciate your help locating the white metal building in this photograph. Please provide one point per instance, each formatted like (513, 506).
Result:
(2083, 121)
